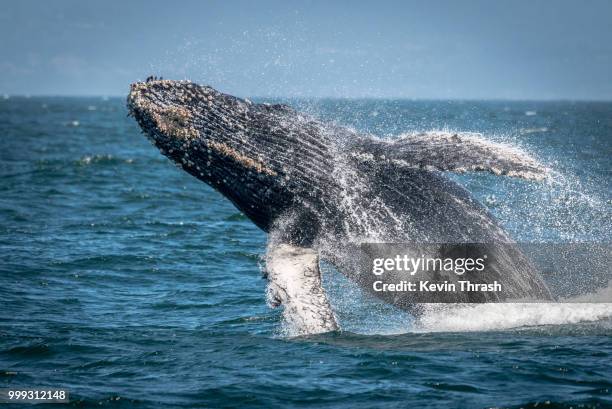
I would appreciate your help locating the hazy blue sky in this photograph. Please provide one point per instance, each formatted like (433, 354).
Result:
(445, 49)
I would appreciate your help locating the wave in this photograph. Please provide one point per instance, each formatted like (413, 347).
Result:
(491, 317)
(527, 131)
(103, 159)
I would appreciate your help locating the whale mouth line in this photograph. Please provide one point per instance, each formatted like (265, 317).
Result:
(248, 162)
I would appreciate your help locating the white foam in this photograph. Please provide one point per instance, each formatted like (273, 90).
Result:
(490, 317)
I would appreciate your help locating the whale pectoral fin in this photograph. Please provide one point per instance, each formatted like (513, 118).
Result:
(294, 280)
(454, 152)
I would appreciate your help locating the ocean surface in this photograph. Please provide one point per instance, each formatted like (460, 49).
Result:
(132, 284)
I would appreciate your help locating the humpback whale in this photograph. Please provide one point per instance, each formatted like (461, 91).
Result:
(320, 189)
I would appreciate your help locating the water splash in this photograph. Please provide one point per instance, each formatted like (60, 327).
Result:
(490, 317)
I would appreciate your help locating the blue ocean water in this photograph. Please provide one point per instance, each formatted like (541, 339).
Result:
(130, 283)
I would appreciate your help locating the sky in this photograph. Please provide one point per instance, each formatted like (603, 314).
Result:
(536, 49)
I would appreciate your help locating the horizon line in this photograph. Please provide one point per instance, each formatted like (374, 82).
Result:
(8, 96)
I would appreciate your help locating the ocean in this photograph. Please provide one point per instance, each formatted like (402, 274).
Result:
(131, 284)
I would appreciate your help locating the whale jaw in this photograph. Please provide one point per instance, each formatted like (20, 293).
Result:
(204, 132)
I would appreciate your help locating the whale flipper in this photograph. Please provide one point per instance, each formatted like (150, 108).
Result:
(453, 152)
(294, 280)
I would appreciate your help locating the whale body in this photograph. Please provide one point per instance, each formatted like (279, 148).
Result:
(320, 190)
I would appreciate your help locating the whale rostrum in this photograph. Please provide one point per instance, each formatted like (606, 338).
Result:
(320, 190)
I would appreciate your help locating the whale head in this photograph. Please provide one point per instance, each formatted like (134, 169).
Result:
(227, 142)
